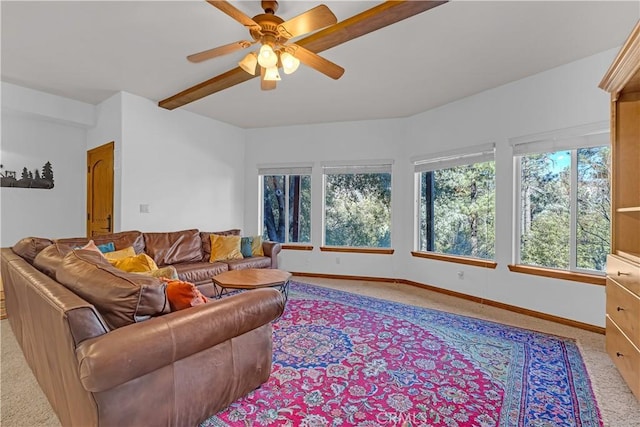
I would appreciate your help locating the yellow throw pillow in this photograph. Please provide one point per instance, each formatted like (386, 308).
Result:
(135, 264)
(225, 248)
(168, 272)
(122, 253)
(256, 246)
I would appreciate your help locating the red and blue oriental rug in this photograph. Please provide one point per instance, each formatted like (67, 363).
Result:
(342, 359)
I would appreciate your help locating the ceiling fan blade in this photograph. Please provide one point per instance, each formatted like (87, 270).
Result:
(358, 25)
(266, 84)
(311, 20)
(219, 51)
(235, 13)
(316, 61)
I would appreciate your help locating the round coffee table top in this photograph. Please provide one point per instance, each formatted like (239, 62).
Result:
(251, 278)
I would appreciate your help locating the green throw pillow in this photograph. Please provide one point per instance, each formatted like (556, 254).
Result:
(245, 246)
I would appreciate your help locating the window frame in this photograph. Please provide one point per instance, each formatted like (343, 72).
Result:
(481, 153)
(286, 170)
(353, 167)
(571, 140)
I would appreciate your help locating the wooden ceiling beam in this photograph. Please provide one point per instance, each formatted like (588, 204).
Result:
(370, 20)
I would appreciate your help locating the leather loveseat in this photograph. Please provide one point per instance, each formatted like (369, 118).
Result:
(186, 250)
(107, 351)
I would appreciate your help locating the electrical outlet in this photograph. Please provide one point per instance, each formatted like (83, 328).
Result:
(337, 260)
(144, 208)
(460, 274)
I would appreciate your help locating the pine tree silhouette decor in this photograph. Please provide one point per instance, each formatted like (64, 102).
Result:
(28, 179)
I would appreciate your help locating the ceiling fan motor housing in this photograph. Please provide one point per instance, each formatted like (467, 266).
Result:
(269, 24)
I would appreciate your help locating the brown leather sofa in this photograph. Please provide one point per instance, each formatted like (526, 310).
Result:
(186, 250)
(153, 367)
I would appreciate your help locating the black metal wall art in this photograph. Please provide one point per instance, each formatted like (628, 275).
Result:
(28, 179)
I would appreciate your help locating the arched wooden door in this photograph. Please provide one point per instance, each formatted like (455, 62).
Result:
(100, 190)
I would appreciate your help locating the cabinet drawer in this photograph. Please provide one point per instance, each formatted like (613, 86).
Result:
(625, 356)
(623, 308)
(625, 272)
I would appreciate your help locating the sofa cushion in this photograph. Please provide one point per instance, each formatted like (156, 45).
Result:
(121, 254)
(135, 264)
(253, 262)
(29, 247)
(183, 295)
(174, 247)
(200, 272)
(225, 248)
(121, 298)
(91, 246)
(107, 247)
(167, 272)
(256, 246)
(120, 240)
(49, 259)
(245, 247)
(205, 237)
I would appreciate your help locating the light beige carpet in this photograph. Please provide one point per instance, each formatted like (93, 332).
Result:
(23, 404)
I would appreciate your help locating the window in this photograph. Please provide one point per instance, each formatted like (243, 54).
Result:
(563, 203)
(456, 203)
(286, 204)
(357, 205)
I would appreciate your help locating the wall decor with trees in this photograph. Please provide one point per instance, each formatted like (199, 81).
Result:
(28, 179)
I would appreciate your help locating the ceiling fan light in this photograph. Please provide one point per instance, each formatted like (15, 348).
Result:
(267, 58)
(289, 62)
(272, 74)
(249, 63)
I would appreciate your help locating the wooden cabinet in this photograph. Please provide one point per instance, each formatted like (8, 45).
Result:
(623, 265)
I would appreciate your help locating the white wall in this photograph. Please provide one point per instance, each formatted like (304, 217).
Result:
(366, 140)
(46, 106)
(187, 168)
(108, 128)
(563, 97)
(37, 128)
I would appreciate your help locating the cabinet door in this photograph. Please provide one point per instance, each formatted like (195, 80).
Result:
(623, 308)
(625, 356)
(625, 272)
(625, 182)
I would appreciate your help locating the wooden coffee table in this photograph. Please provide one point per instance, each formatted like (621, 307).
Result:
(251, 278)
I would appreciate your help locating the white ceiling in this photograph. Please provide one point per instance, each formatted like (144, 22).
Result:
(89, 50)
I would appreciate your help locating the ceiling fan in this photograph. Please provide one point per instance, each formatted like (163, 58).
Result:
(273, 33)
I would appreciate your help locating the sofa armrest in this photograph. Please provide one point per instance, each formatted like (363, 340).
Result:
(271, 250)
(135, 350)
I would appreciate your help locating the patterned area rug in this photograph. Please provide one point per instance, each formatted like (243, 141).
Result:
(342, 359)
